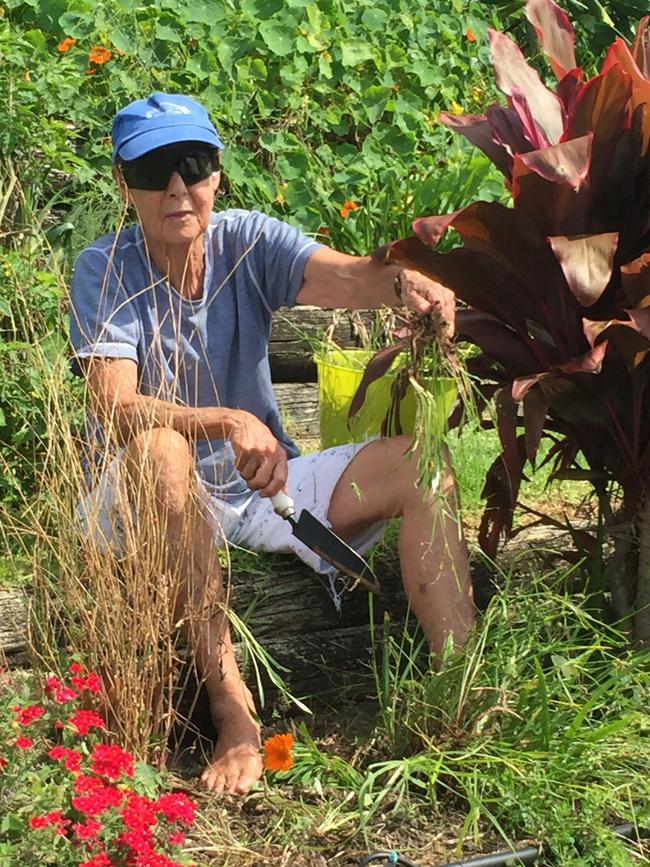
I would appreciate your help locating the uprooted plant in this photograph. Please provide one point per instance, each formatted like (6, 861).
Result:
(558, 285)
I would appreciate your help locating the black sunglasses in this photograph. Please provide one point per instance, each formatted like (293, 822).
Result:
(153, 170)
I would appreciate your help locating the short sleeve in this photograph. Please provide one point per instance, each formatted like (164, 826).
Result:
(103, 319)
(280, 253)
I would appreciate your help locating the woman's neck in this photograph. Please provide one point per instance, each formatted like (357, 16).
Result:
(182, 265)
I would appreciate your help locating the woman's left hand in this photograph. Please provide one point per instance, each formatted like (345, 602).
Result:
(421, 294)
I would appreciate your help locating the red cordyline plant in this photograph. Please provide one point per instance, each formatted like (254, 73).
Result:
(557, 286)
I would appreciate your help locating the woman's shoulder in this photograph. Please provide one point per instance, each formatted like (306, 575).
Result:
(114, 244)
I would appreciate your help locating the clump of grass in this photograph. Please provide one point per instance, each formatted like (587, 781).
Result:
(537, 730)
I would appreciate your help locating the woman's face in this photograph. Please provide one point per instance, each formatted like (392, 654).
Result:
(177, 215)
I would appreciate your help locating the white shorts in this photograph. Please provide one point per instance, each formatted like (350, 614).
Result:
(250, 524)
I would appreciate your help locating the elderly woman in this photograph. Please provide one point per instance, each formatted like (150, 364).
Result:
(170, 322)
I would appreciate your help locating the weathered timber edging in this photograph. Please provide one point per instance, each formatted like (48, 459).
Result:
(295, 331)
(289, 611)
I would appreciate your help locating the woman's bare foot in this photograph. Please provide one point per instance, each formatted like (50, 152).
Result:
(237, 763)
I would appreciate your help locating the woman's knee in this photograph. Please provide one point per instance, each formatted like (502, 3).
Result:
(160, 464)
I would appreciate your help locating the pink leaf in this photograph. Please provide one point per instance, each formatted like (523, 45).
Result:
(477, 130)
(555, 32)
(431, 229)
(512, 71)
(566, 163)
(587, 262)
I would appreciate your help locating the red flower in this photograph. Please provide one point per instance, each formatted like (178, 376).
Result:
(63, 694)
(140, 841)
(177, 839)
(93, 682)
(37, 822)
(87, 830)
(154, 859)
(70, 758)
(176, 807)
(27, 715)
(52, 683)
(76, 668)
(78, 680)
(93, 796)
(58, 752)
(24, 743)
(3, 764)
(84, 720)
(139, 812)
(110, 760)
(100, 860)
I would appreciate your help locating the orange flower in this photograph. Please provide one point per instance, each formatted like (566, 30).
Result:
(91, 70)
(348, 205)
(65, 44)
(277, 752)
(99, 54)
(470, 35)
(323, 230)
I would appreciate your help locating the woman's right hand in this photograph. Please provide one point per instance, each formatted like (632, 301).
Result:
(261, 460)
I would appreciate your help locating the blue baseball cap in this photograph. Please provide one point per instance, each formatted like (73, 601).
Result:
(161, 119)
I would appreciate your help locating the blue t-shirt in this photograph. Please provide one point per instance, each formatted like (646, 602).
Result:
(209, 351)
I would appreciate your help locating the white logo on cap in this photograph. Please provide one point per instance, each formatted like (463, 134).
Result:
(168, 108)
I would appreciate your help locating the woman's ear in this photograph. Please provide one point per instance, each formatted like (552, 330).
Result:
(121, 184)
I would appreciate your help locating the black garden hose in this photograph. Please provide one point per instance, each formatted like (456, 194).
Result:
(527, 856)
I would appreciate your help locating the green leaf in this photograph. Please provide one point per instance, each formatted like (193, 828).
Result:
(78, 25)
(278, 37)
(355, 52)
(167, 34)
(201, 12)
(375, 101)
(324, 65)
(375, 19)
(427, 73)
(261, 9)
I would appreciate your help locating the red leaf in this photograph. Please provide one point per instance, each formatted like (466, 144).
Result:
(497, 341)
(635, 277)
(565, 163)
(375, 369)
(523, 384)
(508, 130)
(477, 130)
(569, 90)
(532, 132)
(618, 52)
(512, 71)
(535, 410)
(641, 47)
(590, 362)
(555, 32)
(587, 262)
(431, 229)
(601, 106)
(641, 320)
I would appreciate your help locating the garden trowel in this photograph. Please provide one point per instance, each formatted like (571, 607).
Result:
(324, 542)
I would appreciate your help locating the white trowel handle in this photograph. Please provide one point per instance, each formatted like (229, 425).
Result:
(283, 505)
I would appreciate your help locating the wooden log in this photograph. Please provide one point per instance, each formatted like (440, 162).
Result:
(298, 402)
(13, 621)
(297, 331)
(289, 610)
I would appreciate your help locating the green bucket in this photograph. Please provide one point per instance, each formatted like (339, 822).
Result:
(339, 374)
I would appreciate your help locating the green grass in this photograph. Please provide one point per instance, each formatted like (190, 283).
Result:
(538, 731)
